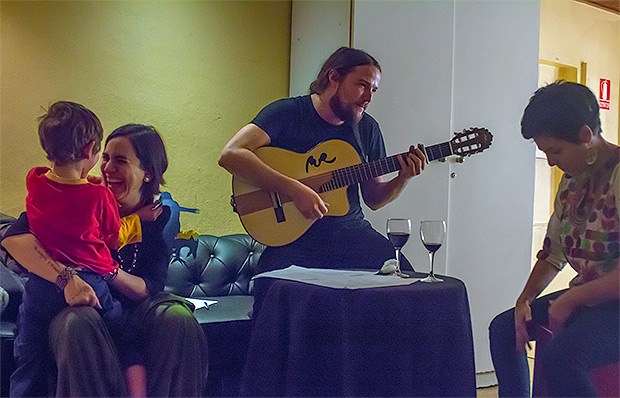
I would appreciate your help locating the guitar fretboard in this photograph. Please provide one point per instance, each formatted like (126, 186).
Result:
(365, 171)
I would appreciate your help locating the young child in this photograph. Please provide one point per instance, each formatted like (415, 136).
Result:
(75, 221)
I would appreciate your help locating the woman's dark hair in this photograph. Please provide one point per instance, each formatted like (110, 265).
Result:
(66, 129)
(559, 110)
(343, 61)
(150, 149)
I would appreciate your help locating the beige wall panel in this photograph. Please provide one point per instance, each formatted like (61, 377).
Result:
(197, 71)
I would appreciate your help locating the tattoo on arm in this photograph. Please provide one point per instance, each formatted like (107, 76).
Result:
(48, 260)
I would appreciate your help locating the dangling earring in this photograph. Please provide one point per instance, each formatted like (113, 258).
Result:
(591, 154)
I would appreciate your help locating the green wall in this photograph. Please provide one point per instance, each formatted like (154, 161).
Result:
(196, 70)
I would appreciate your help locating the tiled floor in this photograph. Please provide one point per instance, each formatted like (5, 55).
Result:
(487, 392)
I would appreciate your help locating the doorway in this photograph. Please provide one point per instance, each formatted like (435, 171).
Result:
(548, 178)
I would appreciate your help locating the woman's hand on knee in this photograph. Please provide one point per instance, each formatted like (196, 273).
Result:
(77, 292)
(523, 316)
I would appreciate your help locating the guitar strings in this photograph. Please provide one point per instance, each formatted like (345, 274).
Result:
(364, 171)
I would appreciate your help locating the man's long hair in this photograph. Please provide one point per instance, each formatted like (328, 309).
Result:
(343, 61)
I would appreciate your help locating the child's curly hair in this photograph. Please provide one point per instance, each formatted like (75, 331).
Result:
(66, 129)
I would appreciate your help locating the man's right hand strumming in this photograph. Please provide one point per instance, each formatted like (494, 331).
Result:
(308, 202)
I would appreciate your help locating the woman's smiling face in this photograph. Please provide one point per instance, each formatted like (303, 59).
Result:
(121, 171)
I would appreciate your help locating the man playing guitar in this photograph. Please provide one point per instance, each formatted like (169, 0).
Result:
(334, 109)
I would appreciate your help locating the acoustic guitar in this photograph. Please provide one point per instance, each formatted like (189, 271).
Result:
(273, 219)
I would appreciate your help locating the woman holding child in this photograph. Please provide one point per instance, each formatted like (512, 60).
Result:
(169, 357)
(583, 320)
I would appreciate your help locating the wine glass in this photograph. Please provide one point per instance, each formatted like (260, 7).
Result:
(398, 231)
(432, 234)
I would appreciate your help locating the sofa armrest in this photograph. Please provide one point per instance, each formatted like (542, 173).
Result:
(13, 285)
(11, 281)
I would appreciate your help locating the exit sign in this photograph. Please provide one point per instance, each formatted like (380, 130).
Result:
(605, 94)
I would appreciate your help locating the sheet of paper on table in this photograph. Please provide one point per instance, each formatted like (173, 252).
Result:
(199, 303)
(337, 279)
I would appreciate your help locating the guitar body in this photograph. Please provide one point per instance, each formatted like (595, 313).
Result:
(328, 168)
(256, 207)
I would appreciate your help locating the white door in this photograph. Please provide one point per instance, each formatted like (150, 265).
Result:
(449, 65)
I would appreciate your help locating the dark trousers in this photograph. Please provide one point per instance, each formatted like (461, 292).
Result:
(589, 339)
(351, 245)
(84, 360)
(41, 302)
(87, 361)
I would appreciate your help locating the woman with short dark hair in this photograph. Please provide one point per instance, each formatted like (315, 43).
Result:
(563, 119)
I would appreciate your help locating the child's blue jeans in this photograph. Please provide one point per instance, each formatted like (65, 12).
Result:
(41, 302)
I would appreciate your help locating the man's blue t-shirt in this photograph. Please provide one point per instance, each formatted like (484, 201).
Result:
(295, 125)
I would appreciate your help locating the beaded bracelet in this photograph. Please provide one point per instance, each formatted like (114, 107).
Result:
(64, 277)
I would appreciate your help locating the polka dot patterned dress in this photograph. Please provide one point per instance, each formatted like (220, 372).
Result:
(584, 228)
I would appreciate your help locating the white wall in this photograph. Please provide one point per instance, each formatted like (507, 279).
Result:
(495, 72)
(449, 65)
(318, 28)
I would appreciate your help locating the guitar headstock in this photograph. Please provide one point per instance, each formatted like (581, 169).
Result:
(470, 141)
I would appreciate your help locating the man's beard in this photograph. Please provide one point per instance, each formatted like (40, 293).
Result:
(348, 115)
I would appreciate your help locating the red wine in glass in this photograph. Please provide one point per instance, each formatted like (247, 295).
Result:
(398, 231)
(432, 234)
(432, 247)
(398, 239)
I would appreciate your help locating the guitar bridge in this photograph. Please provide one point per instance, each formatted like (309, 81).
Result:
(277, 207)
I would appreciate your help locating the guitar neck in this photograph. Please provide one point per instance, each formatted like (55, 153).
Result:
(365, 171)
